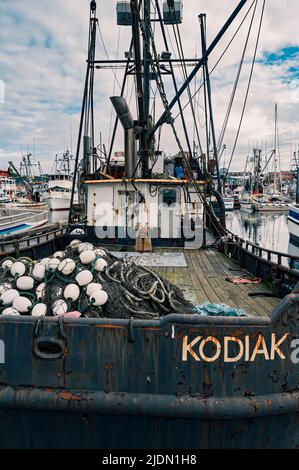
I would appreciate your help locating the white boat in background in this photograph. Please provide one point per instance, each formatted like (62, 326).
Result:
(293, 223)
(15, 222)
(59, 193)
(246, 205)
(229, 202)
(58, 197)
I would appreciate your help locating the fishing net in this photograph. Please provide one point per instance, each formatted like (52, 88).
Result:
(133, 291)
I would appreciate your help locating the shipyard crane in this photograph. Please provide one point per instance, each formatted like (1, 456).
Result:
(24, 181)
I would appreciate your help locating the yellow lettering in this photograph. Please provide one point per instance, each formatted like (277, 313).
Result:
(187, 348)
(275, 346)
(227, 340)
(260, 342)
(218, 349)
(247, 357)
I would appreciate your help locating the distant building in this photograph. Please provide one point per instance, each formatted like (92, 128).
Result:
(285, 175)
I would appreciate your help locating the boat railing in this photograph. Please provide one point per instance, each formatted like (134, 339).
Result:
(42, 237)
(28, 216)
(271, 256)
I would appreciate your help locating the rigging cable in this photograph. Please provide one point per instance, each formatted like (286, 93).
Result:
(221, 57)
(232, 98)
(249, 85)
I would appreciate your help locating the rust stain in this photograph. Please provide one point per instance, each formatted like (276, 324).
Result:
(69, 396)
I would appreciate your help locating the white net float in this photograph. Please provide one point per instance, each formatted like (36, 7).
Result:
(93, 287)
(39, 310)
(100, 265)
(59, 308)
(40, 290)
(11, 311)
(39, 272)
(71, 292)
(9, 296)
(67, 266)
(22, 304)
(85, 247)
(87, 257)
(18, 269)
(53, 264)
(84, 278)
(25, 283)
(98, 298)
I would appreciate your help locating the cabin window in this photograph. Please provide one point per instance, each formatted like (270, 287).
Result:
(169, 196)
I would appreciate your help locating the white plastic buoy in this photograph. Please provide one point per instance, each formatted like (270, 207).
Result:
(98, 298)
(39, 310)
(18, 269)
(39, 272)
(67, 266)
(53, 264)
(22, 304)
(99, 252)
(59, 307)
(84, 277)
(85, 247)
(100, 265)
(25, 283)
(40, 290)
(10, 311)
(71, 292)
(44, 261)
(9, 296)
(7, 264)
(87, 257)
(75, 242)
(93, 287)
(59, 254)
(4, 287)
(78, 231)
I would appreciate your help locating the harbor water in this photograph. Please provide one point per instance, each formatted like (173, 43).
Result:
(266, 230)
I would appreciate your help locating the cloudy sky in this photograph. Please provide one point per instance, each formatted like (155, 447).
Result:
(42, 66)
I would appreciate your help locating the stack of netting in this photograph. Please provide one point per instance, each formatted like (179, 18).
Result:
(84, 281)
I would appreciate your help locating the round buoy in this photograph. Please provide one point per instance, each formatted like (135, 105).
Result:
(25, 283)
(87, 257)
(100, 265)
(93, 287)
(99, 252)
(53, 264)
(39, 310)
(9, 296)
(59, 308)
(84, 277)
(59, 254)
(75, 242)
(44, 261)
(78, 231)
(4, 287)
(22, 304)
(71, 292)
(40, 290)
(7, 264)
(18, 269)
(10, 311)
(39, 272)
(67, 266)
(85, 247)
(98, 298)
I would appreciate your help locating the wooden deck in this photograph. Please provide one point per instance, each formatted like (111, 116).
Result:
(204, 280)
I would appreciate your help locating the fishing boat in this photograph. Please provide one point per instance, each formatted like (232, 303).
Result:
(110, 374)
(229, 203)
(15, 222)
(58, 194)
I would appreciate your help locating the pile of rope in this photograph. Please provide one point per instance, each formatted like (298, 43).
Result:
(88, 282)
